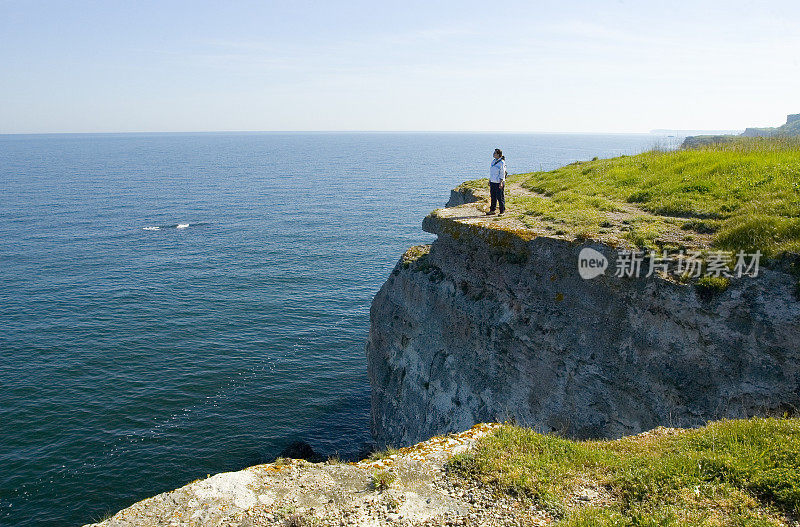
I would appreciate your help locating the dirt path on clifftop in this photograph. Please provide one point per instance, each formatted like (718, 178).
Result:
(616, 227)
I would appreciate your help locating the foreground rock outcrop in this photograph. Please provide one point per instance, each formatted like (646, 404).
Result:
(406, 487)
(492, 323)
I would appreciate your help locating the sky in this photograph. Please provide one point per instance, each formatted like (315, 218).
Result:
(561, 66)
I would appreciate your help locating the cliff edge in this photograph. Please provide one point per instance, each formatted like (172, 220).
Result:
(494, 322)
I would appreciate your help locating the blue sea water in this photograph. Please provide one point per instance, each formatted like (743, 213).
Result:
(177, 305)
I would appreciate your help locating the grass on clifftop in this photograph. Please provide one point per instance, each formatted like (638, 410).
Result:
(732, 472)
(746, 193)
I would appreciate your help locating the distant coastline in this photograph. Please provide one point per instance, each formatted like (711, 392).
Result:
(789, 129)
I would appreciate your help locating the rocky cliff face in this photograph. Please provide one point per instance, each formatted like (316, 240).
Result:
(488, 325)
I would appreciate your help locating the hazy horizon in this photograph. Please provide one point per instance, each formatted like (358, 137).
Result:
(552, 67)
(501, 132)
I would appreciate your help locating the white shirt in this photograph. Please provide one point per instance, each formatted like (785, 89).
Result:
(497, 171)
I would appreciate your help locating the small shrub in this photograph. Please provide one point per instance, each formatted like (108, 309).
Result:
(382, 480)
(383, 454)
(710, 286)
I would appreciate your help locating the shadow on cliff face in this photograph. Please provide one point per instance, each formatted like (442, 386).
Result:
(300, 450)
(294, 449)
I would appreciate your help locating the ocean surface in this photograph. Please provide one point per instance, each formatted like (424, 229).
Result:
(177, 305)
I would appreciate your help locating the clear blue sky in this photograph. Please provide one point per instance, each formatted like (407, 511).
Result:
(615, 66)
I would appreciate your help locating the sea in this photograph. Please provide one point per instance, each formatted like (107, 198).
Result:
(174, 305)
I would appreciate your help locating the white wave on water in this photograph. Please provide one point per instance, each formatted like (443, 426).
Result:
(173, 226)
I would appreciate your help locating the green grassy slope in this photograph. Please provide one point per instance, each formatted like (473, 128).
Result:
(738, 472)
(746, 193)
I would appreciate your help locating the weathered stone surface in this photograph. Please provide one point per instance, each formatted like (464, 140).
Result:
(295, 492)
(490, 326)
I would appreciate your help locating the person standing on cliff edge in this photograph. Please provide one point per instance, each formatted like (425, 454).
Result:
(497, 182)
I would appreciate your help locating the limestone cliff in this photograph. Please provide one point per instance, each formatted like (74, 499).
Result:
(489, 324)
(791, 127)
(788, 129)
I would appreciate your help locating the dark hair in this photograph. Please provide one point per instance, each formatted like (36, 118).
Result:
(500, 153)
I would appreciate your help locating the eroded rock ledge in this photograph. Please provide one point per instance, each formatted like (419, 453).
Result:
(493, 323)
(406, 487)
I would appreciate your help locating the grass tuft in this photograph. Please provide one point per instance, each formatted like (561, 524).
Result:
(383, 454)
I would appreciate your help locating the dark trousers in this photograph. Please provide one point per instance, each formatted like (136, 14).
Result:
(498, 197)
